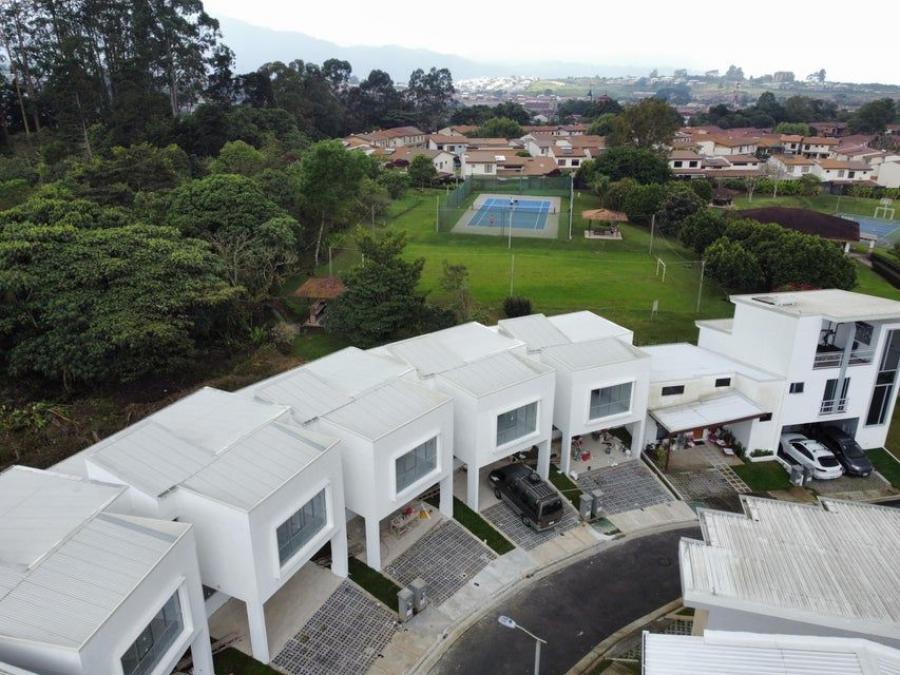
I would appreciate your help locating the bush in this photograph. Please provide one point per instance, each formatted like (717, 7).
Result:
(680, 203)
(760, 452)
(703, 189)
(515, 306)
(886, 265)
(642, 202)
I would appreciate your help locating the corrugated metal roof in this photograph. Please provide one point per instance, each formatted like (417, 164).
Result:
(386, 409)
(308, 395)
(683, 361)
(77, 586)
(833, 564)
(535, 330)
(451, 348)
(354, 371)
(707, 412)
(38, 509)
(591, 354)
(6, 669)
(718, 652)
(585, 325)
(494, 373)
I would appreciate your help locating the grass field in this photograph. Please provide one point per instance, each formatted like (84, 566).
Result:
(764, 476)
(825, 203)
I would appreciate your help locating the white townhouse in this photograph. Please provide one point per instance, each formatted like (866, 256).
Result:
(601, 379)
(396, 434)
(888, 174)
(502, 401)
(263, 494)
(818, 147)
(452, 143)
(685, 162)
(840, 171)
(442, 160)
(483, 162)
(787, 568)
(88, 590)
(395, 137)
(790, 166)
(741, 653)
(715, 145)
(835, 351)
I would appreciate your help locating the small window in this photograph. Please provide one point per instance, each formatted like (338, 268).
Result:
(673, 390)
(723, 382)
(678, 164)
(765, 417)
(796, 387)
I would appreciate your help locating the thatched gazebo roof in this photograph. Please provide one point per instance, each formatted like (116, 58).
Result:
(605, 215)
(320, 288)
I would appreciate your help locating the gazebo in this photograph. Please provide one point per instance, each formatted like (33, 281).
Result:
(319, 290)
(610, 229)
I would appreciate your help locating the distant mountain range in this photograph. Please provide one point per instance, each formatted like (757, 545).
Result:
(255, 45)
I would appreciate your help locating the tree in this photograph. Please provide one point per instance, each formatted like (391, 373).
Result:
(735, 268)
(641, 165)
(396, 183)
(381, 298)
(96, 306)
(873, 116)
(240, 158)
(455, 283)
(500, 127)
(678, 94)
(734, 73)
(703, 188)
(516, 305)
(602, 125)
(793, 128)
(642, 202)
(679, 203)
(430, 94)
(650, 124)
(421, 171)
(701, 229)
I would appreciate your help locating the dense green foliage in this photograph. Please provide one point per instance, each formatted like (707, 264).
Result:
(638, 164)
(499, 127)
(421, 171)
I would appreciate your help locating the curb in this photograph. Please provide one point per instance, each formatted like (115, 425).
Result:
(593, 657)
(433, 654)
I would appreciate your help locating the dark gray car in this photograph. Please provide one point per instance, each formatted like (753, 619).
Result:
(846, 450)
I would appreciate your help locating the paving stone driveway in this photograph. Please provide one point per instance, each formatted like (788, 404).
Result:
(505, 519)
(344, 637)
(701, 484)
(627, 486)
(446, 558)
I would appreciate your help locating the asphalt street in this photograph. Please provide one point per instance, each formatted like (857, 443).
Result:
(573, 609)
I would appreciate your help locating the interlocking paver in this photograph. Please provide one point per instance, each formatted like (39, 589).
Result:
(344, 637)
(626, 487)
(446, 558)
(699, 485)
(505, 519)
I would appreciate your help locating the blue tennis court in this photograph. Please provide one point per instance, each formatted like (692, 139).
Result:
(875, 227)
(518, 213)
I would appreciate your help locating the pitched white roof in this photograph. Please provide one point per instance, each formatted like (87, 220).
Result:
(6, 669)
(308, 395)
(354, 371)
(535, 330)
(591, 354)
(494, 373)
(719, 409)
(683, 361)
(832, 564)
(585, 325)
(833, 304)
(734, 653)
(386, 409)
(450, 348)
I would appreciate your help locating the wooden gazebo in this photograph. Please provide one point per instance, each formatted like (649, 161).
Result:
(610, 220)
(319, 290)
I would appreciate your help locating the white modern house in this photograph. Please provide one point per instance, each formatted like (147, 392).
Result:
(502, 400)
(835, 351)
(601, 379)
(263, 494)
(738, 653)
(797, 569)
(396, 434)
(88, 590)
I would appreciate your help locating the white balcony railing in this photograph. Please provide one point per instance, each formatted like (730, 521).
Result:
(835, 359)
(833, 406)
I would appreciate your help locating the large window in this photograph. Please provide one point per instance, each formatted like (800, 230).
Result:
(418, 462)
(516, 423)
(608, 401)
(300, 528)
(154, 641)
(884, 382)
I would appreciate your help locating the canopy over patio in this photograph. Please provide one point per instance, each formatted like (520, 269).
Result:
(604, 215)
(713, 411)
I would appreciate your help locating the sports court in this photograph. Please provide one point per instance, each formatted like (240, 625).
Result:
(877, 228)
(496, 214)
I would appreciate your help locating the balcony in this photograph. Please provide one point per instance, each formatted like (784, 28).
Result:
(833, 406)
(833, 357)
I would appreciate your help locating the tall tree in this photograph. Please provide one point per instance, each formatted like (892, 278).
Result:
(650, 124)
(430, 94)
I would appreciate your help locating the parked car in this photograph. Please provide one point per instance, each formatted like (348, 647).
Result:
(846, 450)
(533, 500)
(807, 452)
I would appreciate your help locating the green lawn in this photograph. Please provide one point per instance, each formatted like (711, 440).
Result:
(312, 343)
(233, 662)
(826, 203)
(374, 582)
(565, 485)
(764, 476)
(886, 464)
(869, 281)
(478, 526)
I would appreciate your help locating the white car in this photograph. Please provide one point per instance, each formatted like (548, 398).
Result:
(813, 454)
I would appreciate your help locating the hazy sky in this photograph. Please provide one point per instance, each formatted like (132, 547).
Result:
(697, 35)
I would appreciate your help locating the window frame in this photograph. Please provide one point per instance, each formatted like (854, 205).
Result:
(796, 387)
(309, 543)
(680, 387)
(399, 492)
(608, 385)
(280, 570)
(498, 447)
(723, 382)
(177, 589)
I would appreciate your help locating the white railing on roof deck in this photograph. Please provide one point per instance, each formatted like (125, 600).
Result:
(834, 359)
(833, 406)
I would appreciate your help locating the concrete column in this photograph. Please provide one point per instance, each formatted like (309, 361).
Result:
(259, 636)
(373, 543)
(446, 503)
(472, 475)
(565, 451)
(543, 459)
(638, 429)
(339, 553)
(201, 652)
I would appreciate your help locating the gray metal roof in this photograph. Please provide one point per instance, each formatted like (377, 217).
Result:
(354, 371)
(535, 330)
(591, 354)
(832, 565)
(718, 652)
(451, 348)
(308, 395)
(831, 303)
(6, 669)
(387, 408)
(493, 373)
(63, 597)
(39, 508)
(585, 325)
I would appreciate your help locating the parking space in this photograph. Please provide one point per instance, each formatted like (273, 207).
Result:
(446, 558)
(627, 486)
(344, 637)
(505, 519)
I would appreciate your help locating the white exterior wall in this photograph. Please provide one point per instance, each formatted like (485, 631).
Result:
(443, 162)
(889, 174)
(478, 168)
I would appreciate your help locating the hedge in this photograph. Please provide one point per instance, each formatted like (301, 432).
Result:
(887, 266)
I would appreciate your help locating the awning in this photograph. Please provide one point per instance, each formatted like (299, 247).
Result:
(708, 412)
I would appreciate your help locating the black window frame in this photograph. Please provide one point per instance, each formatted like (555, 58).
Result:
(796, 387)
(672, 390)
(723, 381)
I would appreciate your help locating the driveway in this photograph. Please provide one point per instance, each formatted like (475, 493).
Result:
(573, 609)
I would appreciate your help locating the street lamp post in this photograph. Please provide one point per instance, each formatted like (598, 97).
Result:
(507, 622)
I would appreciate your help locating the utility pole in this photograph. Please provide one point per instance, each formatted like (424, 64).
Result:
(571, 203)
(512, 274)
(700, 287)
(652, 228)
(330, 268)
(511, 211)
(437, 214)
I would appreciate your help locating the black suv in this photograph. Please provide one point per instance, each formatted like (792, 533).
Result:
(845, 449)
(536, 502)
